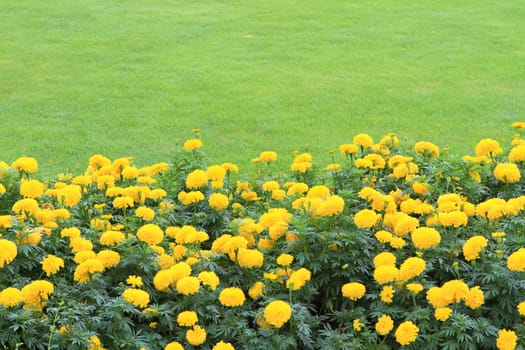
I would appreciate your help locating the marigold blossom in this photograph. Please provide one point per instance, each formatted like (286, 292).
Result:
(277, 313)
(406, 333)
(507, 340)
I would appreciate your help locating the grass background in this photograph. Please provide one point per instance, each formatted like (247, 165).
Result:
(128, 78)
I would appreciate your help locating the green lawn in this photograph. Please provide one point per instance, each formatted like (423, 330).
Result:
(135, 77)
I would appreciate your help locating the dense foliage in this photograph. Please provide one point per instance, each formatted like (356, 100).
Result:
(384, 248)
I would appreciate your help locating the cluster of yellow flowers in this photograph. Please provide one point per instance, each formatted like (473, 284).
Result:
(406, 224)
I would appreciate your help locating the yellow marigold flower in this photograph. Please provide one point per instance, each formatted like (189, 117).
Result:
(123, 202)
(188, 285)
(157, 193)
(277, 313)
(383, 236)
(6, 221)
(230, 167)
(36, 293)
(105, 181)
(518, 125)
(507, 340)
(366, 218)
(95, 343)
(420, 188)
(454, 218)
(187, 198)
(285, 259)
(196, 179)
(507, 172)
(270, 186)
(297, 188)
(195, 236)
(385, 274)
(69, 195)
(174, 346)
(25, 164)
(348, 149)
(363, 140)
(179, 251)
(333, 167)
(80, 244)
(437, 297)
(209, 278)
(196, 336)
(82, 256)
(145, 213)
(151, 234)
(268, 156)
(256, 290)
(517, 154)
(130, 172)
(27, 206)
(425, 237)
(318, 191)
(427, 148)
(384, 259)
(223, 346)
(301, 167)
(136, 297)
(387, 293)
(455, 290)
(303, 157)
(51, 264)
(278, 194)
(164, 261)
(134, 281)
(414, 288)
(265, 243)
(488, 147)
(109, 258)
(497, 234)
(31, 188)
(406, 333)
(442, 313)
(218, 201)
(473, 247)
(405, 225)
(70, 232)
(298, 278)
(232, 296)
(384, 325)
(474, 298)
(86, 269)
(516, 261)
(353, 290)
(397, 242)
(187, 318)
(375, 161)
(98, 161)
(411, 268)
(164, 279)
(356, 325)
(192, 144)
(111, 238)
(331, 206)
(8, 252)
(250, 258)
(216, 173)
(521, 308)
(10, 297)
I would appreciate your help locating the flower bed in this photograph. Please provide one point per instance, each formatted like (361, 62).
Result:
(383, 248)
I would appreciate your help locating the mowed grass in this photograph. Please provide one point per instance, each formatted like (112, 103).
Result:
(128, 78)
